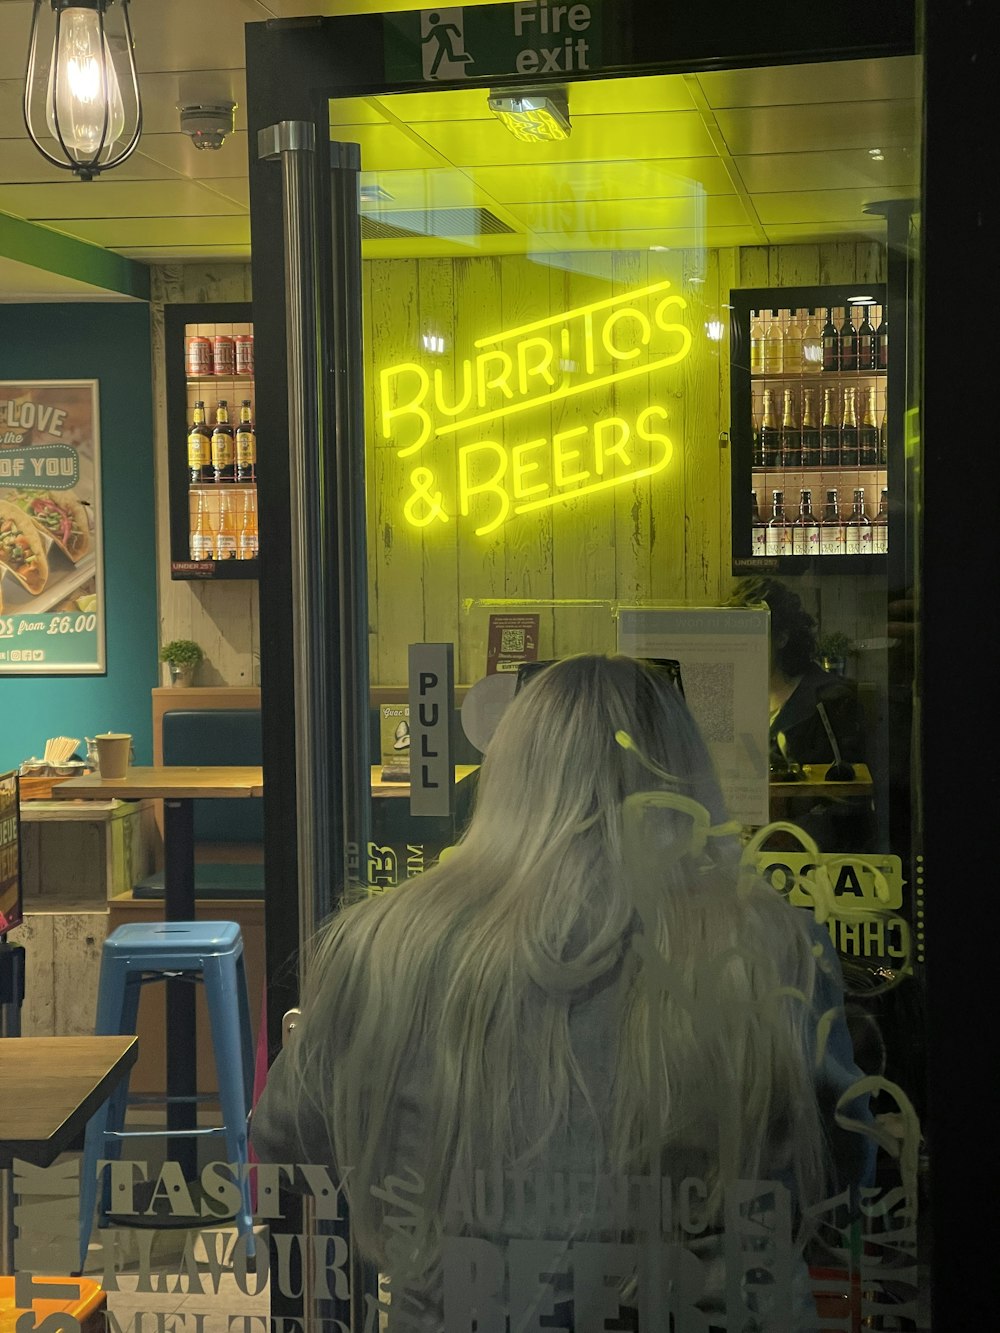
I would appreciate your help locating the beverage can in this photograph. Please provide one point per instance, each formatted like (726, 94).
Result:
(224, 354)
(198, 353)
(244, 353)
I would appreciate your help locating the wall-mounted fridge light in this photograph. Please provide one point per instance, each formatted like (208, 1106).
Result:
(533, 116)
(87, 91)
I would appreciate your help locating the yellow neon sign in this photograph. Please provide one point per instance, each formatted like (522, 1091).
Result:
(528, 367)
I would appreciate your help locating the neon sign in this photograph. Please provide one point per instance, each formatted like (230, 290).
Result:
(526, 368)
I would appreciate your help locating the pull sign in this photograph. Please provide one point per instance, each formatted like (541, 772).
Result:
(432, 694)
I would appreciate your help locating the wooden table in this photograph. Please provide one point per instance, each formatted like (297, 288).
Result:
(51, 1088)
(178, 787)
(813, 785)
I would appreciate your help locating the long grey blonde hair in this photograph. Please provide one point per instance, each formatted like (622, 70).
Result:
(568, 877)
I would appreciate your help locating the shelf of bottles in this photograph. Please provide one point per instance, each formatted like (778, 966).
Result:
(221, 453)
(820, 448)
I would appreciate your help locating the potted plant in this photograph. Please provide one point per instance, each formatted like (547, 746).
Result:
(832, 650)
(181, 656)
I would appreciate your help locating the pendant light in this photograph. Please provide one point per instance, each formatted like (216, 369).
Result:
(91, 90)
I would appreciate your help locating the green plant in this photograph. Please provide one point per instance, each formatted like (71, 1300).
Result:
(181, 653)
(836, 644)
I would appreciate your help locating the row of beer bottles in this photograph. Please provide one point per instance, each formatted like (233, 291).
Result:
(220, 453)
(841, 338)
(826, 533)
(224, 525)
(837, 439)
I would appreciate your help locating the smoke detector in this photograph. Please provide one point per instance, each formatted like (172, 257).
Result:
(207, 123)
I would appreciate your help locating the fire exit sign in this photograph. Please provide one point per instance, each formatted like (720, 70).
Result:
(473, 41)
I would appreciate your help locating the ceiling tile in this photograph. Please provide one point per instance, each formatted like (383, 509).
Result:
(161, 93)
(878, 80)
(111, 197)
(178, 153)
(850, 168)
(192, 34)
(820, 128)
(386, 148)
(604, 180)
(697, 211)
(819, 205)
(482, 143)
(22, 164)
(119, 233)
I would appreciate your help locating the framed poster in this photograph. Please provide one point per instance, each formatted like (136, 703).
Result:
(51, 567)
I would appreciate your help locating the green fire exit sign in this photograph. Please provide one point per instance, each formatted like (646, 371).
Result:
(472, 41)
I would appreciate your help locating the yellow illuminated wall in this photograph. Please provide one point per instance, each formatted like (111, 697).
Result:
(552, 431)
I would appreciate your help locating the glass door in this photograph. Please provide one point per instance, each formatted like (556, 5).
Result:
(548, 274)
(548, 269)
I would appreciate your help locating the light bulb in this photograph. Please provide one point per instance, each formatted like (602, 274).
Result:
(77, 99)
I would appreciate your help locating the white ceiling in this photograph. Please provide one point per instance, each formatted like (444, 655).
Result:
(748, 157)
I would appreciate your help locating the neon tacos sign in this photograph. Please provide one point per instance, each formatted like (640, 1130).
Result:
(520, 371)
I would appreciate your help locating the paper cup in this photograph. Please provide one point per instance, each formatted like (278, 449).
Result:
(114, 749)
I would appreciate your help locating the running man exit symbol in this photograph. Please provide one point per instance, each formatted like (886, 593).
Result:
(442, 37)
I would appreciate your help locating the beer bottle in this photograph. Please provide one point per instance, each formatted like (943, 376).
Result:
(222, 444)
(810, 430)
(792, 363)
(880, 526)
(246, 546)
(805, 529)
(779, 536)
(848, 341)
(831, 529)
(858, 528)
(199, 447)
(812, 344)
(225, 537)
(849, 430)
(831, 344)
(770, 434)
(829, 434)
(865, 340)
(880, 343)
(758, 529)
(246, 445)
(774, 358)
(791, 436)
(883, 439)
(868, 453)
(200, 544)
(756, 343)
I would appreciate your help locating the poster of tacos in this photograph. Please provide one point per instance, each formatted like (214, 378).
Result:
(51, 578)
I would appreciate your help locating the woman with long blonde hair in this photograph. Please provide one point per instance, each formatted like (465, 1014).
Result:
(584, 995)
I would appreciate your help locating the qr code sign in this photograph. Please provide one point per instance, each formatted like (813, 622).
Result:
(512, 641)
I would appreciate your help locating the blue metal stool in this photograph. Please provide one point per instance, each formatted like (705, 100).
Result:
(133, 956)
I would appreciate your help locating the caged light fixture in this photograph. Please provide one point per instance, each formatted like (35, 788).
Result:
(87, 94)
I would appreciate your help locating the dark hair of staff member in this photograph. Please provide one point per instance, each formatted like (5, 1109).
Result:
(588, 988)
(798, 683)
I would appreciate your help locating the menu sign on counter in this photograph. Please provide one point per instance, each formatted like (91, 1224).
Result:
(51, 573)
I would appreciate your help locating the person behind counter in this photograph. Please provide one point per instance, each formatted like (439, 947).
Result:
(798, 683)
(584, 989)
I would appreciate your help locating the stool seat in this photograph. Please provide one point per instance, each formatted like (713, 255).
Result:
(138, 954)
(183, 939)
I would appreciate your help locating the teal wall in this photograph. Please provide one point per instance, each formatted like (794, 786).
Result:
(109, 342)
